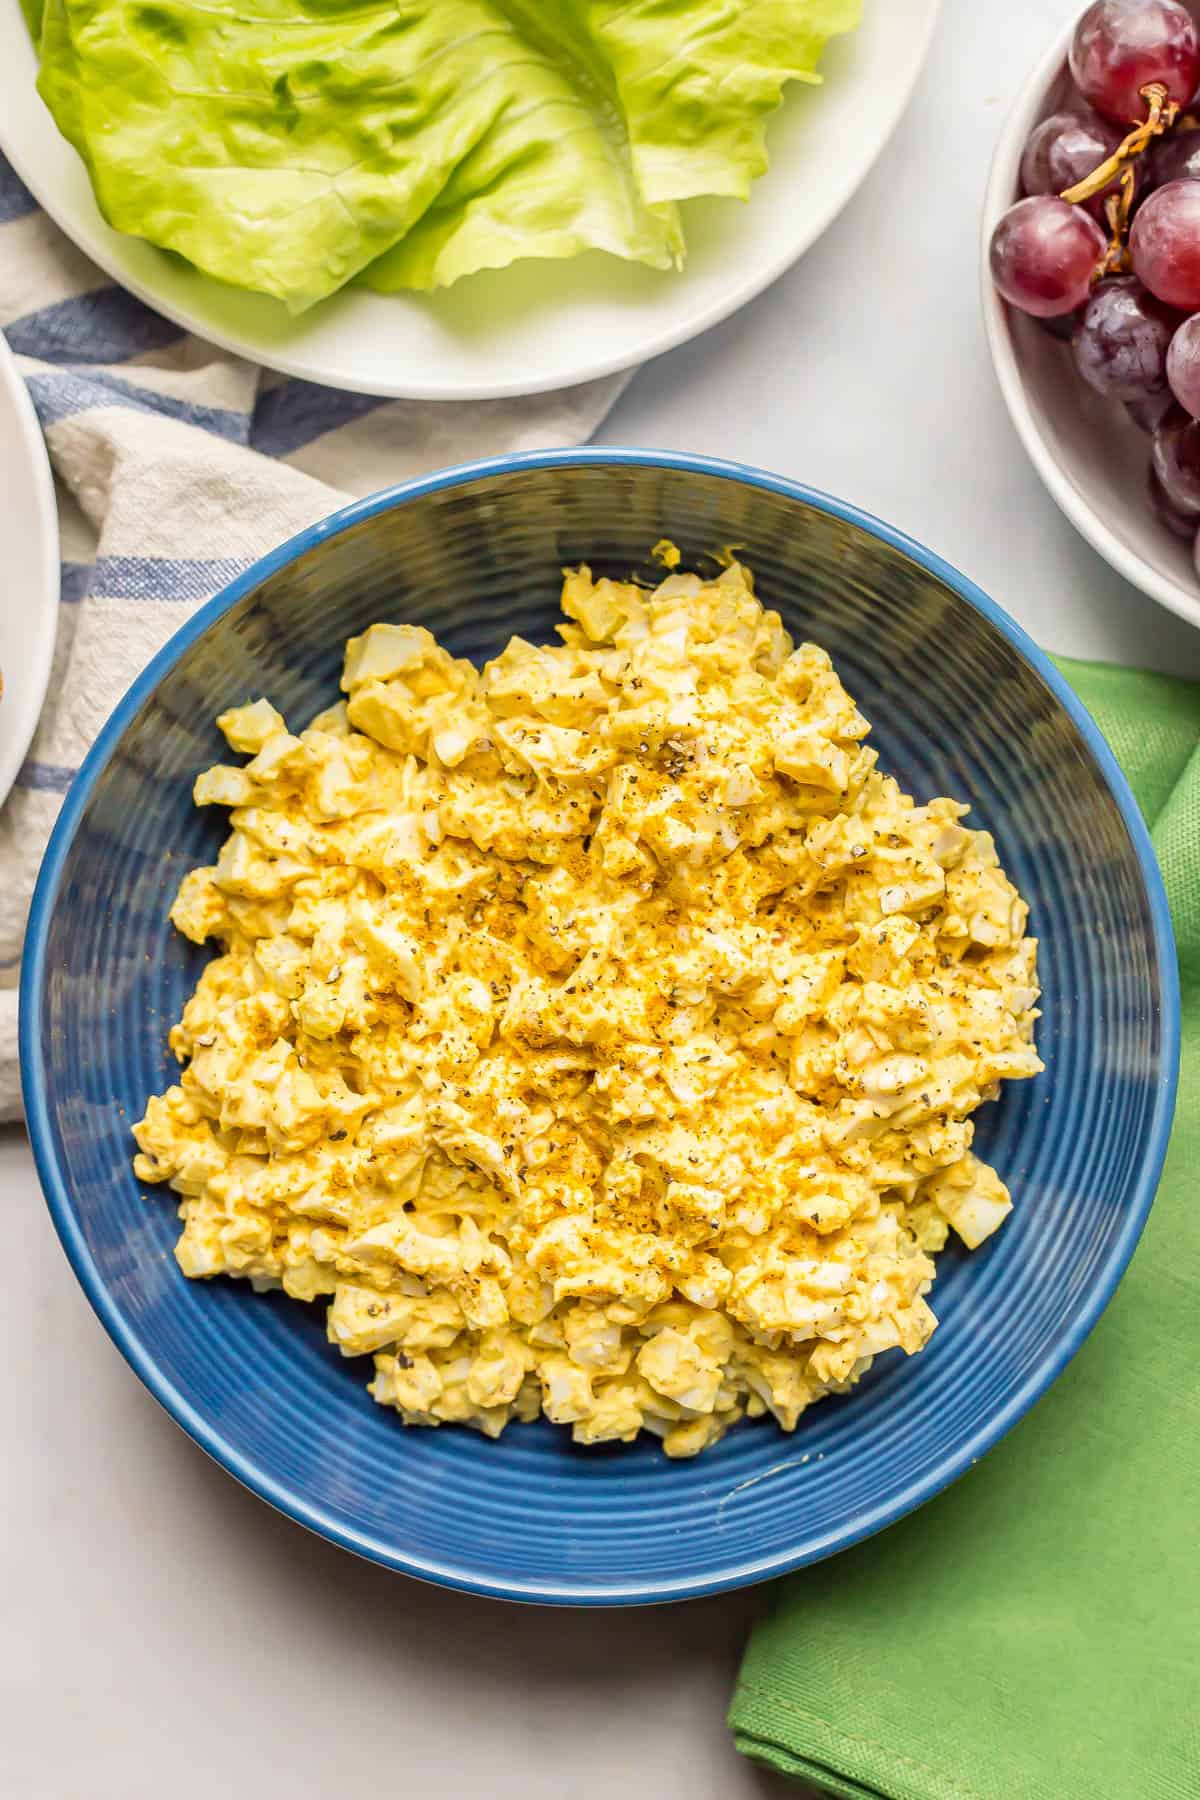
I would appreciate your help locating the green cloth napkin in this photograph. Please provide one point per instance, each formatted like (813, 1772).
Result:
(1034, 1632)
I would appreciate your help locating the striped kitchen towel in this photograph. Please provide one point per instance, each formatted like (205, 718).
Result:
(176, 465)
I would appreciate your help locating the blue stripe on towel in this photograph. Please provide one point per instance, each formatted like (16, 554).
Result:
(51, 778)
(162, 577)
(76, 578)
(106, 326)
(292, 415)
(15, 198)
(64, 392)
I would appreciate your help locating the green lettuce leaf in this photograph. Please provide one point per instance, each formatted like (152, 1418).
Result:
(661, 101)
(291, 145)
(32, 10)
(698, 81)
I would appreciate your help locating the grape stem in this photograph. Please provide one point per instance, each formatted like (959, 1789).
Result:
(1162, 116)
(1117, 208)
(1161, 119)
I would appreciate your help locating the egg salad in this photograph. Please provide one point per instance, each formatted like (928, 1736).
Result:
(597, 1033)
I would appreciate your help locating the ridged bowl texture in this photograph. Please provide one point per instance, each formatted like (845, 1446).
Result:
(961, 703)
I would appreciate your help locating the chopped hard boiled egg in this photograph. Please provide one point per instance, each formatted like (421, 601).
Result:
(598, 1033)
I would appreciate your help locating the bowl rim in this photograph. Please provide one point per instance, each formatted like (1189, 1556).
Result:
(25, 703)
(294, 1505)
(1002, 184)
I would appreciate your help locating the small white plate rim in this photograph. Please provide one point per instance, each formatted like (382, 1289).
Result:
(26, 668)
(897, 36)
(1002, 186)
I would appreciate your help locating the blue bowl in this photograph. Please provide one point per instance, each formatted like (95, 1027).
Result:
(961, 703)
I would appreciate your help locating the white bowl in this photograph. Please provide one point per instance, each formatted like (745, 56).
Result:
(1088, 452)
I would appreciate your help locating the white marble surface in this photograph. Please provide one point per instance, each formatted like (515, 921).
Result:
(162, 1632)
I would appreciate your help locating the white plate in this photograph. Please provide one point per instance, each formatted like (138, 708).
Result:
(1092, 458)
(29, 571)
(538, 325)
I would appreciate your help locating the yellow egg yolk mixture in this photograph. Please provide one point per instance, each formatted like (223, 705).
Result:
(597, 1033)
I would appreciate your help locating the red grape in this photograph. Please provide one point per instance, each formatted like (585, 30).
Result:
(1035, 158)
(1120, 46)
(1062, 150)
(1148, 415)
(1164, 242)
(1183, 365)
(1183, 524)
(1044, 254)
(1176, 458)
(1121, 347)
(1171, 159)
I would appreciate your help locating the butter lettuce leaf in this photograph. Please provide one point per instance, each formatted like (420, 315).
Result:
(289, 146)
(32, 11)
(676, 94)
(697, 82)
